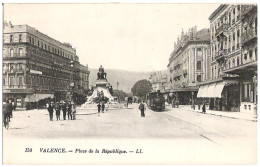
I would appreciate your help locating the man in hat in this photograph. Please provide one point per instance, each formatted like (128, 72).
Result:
(69, 111)
(64, 110)
(50, 110)
(57, 108)
(142, 108)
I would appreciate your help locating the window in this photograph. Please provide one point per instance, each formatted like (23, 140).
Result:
(3, 81)
(11, 81)
(20, 37)
(250, 54)
(199, 78)
(238, 62)
(11, 38)
(246, 92)
(20, 81)
(198, 65)
(11, 53)
(45, 46)
(30, 39)
(20, 66)
(20, 51)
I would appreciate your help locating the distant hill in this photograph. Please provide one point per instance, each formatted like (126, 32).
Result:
(126, 79)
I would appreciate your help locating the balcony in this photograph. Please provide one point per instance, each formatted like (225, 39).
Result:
(14, 87)
(221, 55)
(248, 36)
(246, 9)
(221, 29)
(14, 55)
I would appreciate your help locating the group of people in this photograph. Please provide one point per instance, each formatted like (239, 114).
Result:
(66, 107)
(101, 107)
(7, 113)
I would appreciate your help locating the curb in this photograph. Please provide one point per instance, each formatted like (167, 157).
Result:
(253, 120)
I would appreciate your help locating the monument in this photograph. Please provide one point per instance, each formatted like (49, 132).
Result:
(101, 93)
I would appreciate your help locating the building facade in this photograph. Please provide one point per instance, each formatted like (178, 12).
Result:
(246, 70)
(189, 64)
(159, 81)
(226, 83)
(37, 67)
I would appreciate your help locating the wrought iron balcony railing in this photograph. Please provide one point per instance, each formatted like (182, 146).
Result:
(221, 29)
(248, 35)
(246, 9)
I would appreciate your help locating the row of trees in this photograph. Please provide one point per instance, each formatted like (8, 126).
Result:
(140, 89)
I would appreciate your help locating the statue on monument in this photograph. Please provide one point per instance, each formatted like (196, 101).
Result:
(101, 73)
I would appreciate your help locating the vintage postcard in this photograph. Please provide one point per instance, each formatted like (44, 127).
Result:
(129, 83)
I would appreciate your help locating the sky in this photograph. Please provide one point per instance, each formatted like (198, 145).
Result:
(134, 37)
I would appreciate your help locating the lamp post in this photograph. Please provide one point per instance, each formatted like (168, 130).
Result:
(71, 78)
(117, 83)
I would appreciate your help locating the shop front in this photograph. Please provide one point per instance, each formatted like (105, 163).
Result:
(185, 96)
(222, 95)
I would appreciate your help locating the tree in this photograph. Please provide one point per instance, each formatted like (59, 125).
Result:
(141, 88)
(120, 94)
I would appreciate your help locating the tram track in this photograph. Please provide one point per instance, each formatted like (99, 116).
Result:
(193, 128)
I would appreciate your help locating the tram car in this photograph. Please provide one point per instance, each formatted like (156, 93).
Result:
(155, 101)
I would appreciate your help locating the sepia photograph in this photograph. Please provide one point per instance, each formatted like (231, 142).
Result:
(129, 84)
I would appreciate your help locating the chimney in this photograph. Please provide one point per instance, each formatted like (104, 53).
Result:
(191, 34)
(195, 32)
(174, 45)
(10, 23)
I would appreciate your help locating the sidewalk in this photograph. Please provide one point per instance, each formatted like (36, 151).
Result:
(233, 115)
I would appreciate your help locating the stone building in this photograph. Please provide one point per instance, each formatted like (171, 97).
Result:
(227, 61)
(189, 64)
(159, 81)
(37, 67)
(246, 69)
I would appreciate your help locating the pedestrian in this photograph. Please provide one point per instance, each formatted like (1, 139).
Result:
(204, 108)
(142, 108)
(57, 108)
(64, 110)
(73, 112)
(99, 107)
(50, 110)
(11, 107)
(103, 106)
(173, 106)
(69, 111)
(6, 114)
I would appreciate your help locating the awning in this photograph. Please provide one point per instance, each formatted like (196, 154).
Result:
(213, 90)
(203, 91)
(218, 89)
(37, 97)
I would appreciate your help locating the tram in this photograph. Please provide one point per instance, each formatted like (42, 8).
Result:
(155, 101)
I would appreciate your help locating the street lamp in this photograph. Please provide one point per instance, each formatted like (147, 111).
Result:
(71, 83)
(117, 84)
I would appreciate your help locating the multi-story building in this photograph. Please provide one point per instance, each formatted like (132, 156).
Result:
(36, 66)
(246, 68)
(159, 81)
(227, 61)
(189, 64)
(83, 82)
